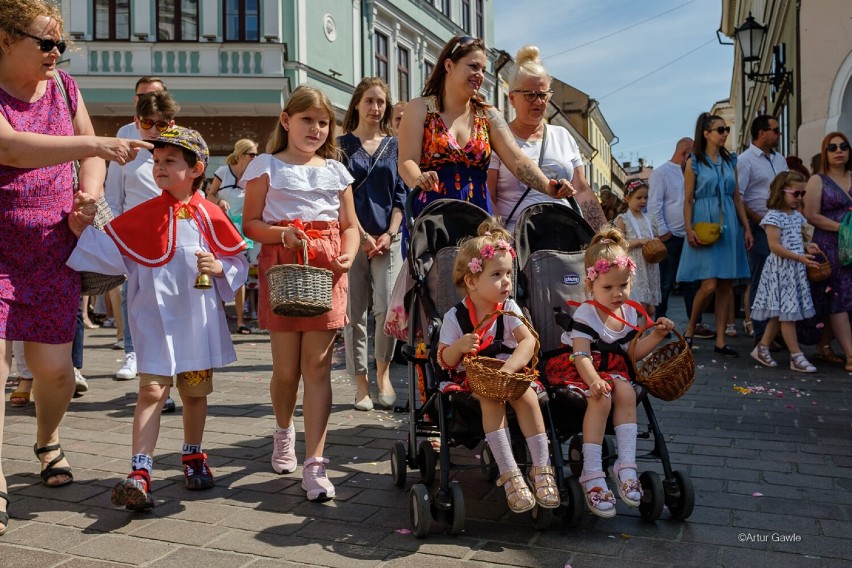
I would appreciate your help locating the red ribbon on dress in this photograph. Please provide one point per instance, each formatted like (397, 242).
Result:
(311, 233)
(633, 304)
(471, 311)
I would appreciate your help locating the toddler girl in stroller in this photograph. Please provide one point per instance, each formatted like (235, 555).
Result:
(601, 331)
(483, 268)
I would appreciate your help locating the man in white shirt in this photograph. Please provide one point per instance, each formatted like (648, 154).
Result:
(665, 206)
(757, 166)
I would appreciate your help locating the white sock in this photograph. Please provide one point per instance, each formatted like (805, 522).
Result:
(501, 447)
(538, 449)
(142, 461)
(189, 449)
(592, 463)
(625, 438)
(291, 428)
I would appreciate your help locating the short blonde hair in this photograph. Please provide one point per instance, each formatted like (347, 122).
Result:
(489, 232)
(18, 15)
(528, 64)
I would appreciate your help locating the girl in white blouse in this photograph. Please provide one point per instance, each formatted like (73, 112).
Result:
(297, 192)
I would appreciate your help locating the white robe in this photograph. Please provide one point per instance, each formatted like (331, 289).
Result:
(175, 326)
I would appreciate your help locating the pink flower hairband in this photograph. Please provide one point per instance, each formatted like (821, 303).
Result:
(487, 252)
(602, 266)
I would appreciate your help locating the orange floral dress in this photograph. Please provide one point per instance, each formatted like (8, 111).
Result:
(461, 171)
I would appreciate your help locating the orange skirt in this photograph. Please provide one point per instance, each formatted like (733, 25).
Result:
(326, 248)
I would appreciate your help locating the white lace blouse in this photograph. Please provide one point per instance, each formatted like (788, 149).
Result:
(309, 193)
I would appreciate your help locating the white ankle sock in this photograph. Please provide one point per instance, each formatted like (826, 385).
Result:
(290, 428)
(538, 449)
(501, 447)
(142, 461)
(591, 464)
(625, 438)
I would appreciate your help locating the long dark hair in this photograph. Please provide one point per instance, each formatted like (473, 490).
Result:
(455, 49)
(699, 146)
(350, 122)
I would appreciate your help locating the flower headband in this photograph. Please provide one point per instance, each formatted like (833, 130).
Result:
(602, 266)
(487, 252)
(634, 185)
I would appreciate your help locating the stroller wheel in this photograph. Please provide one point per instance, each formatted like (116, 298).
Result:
(420, 510)
(427, 462)
(457, 512)
(575, 455)
(573, 502)
(653, 496)
(541, 518)
(398, 464)
(487, 465)
(682, 507)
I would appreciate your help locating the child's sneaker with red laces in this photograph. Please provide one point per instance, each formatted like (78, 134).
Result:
(197, 472)
(315, 481)
(134, 493)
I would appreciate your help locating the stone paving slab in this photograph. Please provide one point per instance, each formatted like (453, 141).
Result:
(772, 470)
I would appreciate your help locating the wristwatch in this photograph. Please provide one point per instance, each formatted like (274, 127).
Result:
(393, 236)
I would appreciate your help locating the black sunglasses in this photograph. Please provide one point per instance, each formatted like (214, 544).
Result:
(797, 193)
(843, 146)
(46, 45)
(532, 96)
(464, 41)
(721, 130)
(252, 154)
(147, 123)
(776, 130)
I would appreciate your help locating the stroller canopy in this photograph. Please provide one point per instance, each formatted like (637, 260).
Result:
(550, 226)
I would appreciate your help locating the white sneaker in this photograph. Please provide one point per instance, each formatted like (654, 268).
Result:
(128, 370)
(118, 344)
(80, 384)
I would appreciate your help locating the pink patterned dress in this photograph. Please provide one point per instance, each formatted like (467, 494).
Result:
(39, 295)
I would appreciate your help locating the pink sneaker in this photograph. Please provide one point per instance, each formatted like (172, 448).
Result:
(315, 481)
(284, 451)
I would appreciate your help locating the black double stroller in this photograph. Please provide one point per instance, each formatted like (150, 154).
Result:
(440, 421)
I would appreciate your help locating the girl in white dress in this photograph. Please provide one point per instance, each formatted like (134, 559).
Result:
(784, 295)
(639, 229)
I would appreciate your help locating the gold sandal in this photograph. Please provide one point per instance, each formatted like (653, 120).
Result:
(19, 398)
(518, 494)
(544, 486)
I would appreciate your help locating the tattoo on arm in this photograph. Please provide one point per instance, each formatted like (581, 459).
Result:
(593, 213)
(496, 120)
(529, 175)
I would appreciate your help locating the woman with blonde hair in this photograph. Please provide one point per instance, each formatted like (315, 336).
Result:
(229, 192)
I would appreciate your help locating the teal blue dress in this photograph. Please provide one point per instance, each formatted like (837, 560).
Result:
(726, 258)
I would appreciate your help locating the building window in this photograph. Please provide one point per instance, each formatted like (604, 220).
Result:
(112, 20)
(242, 20)
(465, 16)
(445, 7)
(428, 67)
(480, 19)
(382, 56)
(403, 74)
(177, 20)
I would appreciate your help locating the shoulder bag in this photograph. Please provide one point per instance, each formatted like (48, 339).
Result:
(709, 233)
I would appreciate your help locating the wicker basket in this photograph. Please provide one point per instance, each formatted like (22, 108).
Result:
(485, 377)
(94, 283)
(299, 290)
(669, 371)
(821, 273)
(654, 251)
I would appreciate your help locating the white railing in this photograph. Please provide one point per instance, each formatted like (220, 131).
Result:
(178, 59)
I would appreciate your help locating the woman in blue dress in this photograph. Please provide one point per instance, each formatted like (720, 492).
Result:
(711, 196)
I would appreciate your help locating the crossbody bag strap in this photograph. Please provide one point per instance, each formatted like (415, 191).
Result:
(64, 93)
(382, 145)
(527, 190)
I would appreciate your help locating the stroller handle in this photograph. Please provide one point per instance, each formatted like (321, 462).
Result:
(413, 194)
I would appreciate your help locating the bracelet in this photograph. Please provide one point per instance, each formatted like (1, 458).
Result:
(442, 363)
(392, 235)
(576, 354)
(364, 237)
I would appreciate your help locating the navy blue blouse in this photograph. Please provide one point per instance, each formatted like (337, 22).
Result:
(378, 188)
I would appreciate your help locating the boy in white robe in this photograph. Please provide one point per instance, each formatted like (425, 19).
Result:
(163, 245)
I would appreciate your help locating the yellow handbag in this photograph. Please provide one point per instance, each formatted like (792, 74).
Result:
(708, 233)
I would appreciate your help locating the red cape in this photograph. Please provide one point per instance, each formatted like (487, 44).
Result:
(147, 232)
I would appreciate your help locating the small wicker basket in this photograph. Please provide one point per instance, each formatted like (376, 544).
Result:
(94, 283)
(299, 290)
(821, 273)
(669, 371)
(485, 377)
(654, 251)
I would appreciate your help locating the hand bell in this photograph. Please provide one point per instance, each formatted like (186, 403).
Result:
(202, 282)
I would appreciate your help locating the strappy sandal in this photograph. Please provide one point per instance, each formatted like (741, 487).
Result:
(518, 494)
(828, 355)
(544, 486)
(4, 515)
(597, 495)
(24, 398)
(628, 486)
(50, 470)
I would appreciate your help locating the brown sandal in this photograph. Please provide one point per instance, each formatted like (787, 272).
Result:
(518, 494)
(19, 398)
(544, 486)
(825, 353)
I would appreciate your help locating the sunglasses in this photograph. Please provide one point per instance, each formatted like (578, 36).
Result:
(532, 96)
(463, 41)
(46, 45)
(776, 130)
(843, 146)
(721, 130)
(252, 154)
(147, 123)
(797, 193)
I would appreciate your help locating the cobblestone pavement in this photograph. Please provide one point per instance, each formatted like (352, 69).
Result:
(770, 463)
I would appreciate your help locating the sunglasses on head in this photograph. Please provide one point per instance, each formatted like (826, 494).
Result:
(147, 123)
(843, 146)
(463, 41)
(532, 96)
(45, 44)
(797, 193)
(721, 130)
(776, 130)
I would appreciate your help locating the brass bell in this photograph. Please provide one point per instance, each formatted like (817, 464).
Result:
(202, 282)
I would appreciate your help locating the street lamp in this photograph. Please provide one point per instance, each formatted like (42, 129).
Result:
(750, 36)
